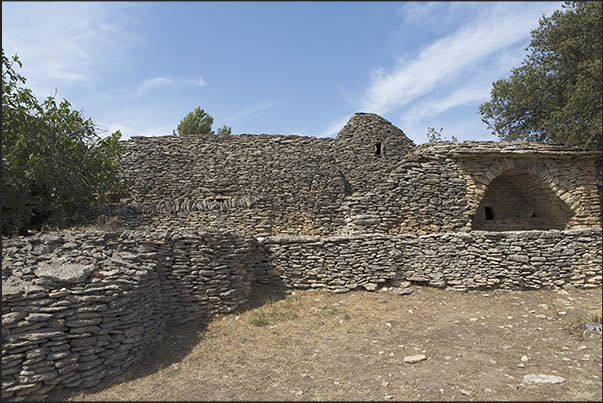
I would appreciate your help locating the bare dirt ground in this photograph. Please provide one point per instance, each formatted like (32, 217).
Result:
(316, 345)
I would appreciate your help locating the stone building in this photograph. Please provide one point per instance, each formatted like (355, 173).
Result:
(370, 179)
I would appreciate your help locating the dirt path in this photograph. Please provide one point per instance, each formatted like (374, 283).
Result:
(315, 345)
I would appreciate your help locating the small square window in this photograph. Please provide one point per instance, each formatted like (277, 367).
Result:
(489, 213)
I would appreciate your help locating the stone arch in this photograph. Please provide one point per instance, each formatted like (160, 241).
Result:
(520, 199)
(478, 179)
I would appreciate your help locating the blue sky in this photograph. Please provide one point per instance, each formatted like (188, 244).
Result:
(272, 67)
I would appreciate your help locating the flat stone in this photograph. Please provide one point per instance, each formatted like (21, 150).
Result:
(404, 291)
(542, 378)
(60, 271)
(370, 286)
(411, 359)
(11, 317)
(14, 286)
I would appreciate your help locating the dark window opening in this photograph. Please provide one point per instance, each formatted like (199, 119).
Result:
(378, 149)
(489, 213)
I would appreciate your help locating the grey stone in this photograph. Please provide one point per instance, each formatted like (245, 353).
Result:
(63, 272)
(412, 359)
(542, 378)
(370, 286)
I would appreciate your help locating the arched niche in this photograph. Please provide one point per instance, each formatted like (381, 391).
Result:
(519, 200)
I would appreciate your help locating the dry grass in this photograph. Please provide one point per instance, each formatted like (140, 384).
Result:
(314, 345)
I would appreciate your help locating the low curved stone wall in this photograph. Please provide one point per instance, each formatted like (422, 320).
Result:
(206, 273)
(77, 307)
(462, 261)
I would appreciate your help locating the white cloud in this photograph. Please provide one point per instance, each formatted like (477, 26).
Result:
(501, 26)
(152, 83)
(417, 11)
(455, 70)
(63, 43)
(433, 107)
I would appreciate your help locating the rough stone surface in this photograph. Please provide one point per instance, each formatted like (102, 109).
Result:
(464, 261)
(271, 184)
(62, 272)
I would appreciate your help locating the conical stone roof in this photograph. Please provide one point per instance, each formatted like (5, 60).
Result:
(371, 125)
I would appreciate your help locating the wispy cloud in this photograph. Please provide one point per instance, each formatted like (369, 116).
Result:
(254, 111)
(68, 43)
(334, 128)
(436, 106)
(445, 58)
(454, 70)
(152, 83)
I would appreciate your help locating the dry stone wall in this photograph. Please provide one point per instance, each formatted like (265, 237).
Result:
(250, 184)
(569, 174)
(77, 307)
(368, 148)
(370, 179)
(207, 273)
(258, 184)
(462, 261)
(438, 187)
(364, 209)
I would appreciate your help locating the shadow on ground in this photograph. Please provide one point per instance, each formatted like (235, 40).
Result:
(177, 343)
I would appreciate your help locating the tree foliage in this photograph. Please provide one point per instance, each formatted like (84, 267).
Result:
(54, 165)
(199, 122)
(555, 96)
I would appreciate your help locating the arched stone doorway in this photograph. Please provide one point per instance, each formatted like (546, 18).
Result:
(520, 200)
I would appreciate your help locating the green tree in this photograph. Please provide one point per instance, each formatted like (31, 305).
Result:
(198, 122)
(225, 130)
(555, 96)
(54, 165)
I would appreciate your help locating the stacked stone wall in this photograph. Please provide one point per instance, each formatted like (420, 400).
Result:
(370, 179)
(438, 187)
(423, 195)
(258, 184)
(462, 261)
(368, 148)
(251, 184)
(77, 307)
(208, 273)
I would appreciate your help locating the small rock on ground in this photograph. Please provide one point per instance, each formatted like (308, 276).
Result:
(542, 378)
(411, 359)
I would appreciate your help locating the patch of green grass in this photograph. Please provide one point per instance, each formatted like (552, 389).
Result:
(347, 316)
(259, 319)
(263, 318)
(282, 315)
